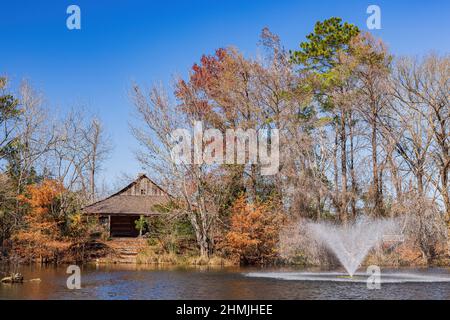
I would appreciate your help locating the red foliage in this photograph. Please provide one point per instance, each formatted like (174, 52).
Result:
(204, 93)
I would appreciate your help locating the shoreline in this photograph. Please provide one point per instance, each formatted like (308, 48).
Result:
(221, 262)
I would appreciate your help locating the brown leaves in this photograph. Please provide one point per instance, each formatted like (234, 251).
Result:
(253, 234)
(41, 197)
(42, 218)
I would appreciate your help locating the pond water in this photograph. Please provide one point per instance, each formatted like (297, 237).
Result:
(145, 282)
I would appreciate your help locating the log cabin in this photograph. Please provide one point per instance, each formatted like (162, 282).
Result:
(120, 210)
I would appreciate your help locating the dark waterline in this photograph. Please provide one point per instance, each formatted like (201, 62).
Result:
(146, 282)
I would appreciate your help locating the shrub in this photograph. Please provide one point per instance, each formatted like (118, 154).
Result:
(254, 230)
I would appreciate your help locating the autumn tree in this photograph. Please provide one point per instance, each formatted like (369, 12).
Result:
(229, 91)
(44, 219)
(39, 145)
(253, 234)
(358, 132)
(220, 93)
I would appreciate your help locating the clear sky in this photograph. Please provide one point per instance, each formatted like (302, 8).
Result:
(149, 41)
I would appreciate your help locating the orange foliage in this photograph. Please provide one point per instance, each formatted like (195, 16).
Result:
(41, 198)
(253, 234)
(43, 217)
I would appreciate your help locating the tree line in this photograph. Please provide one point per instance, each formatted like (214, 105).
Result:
(49, 165)
(361, 133)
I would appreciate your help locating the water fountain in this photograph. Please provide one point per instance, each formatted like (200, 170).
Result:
(352, 242)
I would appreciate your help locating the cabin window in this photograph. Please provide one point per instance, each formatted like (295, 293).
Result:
(143, 192)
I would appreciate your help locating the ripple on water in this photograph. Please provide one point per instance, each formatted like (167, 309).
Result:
(392, 277)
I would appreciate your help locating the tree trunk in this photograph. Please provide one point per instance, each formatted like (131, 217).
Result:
(376, 189)
(352, 170)
(204, 247)
(445, 186)
(343, 141)
(395, 178)
(419, 177)
(336, 171)
(201, 235)
(92, 186)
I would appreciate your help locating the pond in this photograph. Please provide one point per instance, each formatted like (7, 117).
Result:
(146, 282)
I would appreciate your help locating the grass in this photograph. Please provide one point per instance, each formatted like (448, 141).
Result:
(150, 256)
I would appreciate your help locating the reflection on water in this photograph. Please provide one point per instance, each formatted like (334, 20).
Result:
(145, 282)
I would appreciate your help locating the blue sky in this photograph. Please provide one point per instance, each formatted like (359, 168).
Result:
(150, 41)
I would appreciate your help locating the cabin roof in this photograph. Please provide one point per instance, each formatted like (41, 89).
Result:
(122, 203)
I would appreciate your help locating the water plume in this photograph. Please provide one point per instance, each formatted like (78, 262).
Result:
(352, 242)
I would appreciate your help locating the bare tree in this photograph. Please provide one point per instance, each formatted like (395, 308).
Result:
(424, 87)
(81, 149)
(188, 183)
(95, 150)
(37, 135)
